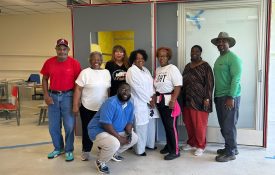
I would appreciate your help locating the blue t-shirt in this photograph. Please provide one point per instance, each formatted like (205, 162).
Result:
(113, 112)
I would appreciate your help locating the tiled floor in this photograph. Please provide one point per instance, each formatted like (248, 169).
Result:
(32, 159)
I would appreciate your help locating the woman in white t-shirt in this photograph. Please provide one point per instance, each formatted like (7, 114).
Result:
(168, 82)
(92, 87)
(142, 96)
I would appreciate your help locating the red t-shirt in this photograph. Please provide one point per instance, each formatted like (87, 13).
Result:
(62, 75)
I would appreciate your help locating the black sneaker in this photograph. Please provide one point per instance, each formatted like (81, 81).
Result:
(164, 150)
(223, 151)
(117, 158)
(171, 156)
(143, 154)
(225, 158)
(102, 167)
(151, 148)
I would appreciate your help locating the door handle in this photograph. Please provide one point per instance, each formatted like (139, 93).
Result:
(260, 72)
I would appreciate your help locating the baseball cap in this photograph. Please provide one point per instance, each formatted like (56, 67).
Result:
(62, 42)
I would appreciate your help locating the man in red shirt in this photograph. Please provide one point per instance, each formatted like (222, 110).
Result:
(62, 72)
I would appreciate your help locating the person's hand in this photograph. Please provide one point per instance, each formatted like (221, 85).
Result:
(152, 104)
(229, 103)
(129, 137)
(123, 140)
(171, 104)
(206, 104)
(48, 100)
(75, 110)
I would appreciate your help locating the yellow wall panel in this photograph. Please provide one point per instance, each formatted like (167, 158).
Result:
(105, 41)
(108, 39)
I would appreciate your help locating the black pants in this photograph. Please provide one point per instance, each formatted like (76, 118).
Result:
(228, 120)
(86, 116)
(170, 127)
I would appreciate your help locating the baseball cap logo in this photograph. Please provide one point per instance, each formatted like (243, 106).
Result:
(62, 42)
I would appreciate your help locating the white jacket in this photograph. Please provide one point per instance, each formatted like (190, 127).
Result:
(142, 89)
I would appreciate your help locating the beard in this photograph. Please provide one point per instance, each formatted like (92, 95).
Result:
(121, 98)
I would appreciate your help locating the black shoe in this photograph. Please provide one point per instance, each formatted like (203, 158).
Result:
(225, 158)
(143, 154)
(151, 148)
(101, 167)
(164, 150)
(171, 156)
(223, 151)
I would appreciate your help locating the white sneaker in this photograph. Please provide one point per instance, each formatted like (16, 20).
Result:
(198, 152)
(187, 147)
(85, 156)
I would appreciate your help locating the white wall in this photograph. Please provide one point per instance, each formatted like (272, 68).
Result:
(28, 40)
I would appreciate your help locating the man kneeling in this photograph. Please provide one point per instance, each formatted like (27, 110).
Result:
(111, 128)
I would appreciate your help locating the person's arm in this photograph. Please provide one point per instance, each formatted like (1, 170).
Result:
(47, 98)
(76, 100)
(109, 92)
(235, 72)
(128, 131)
(176, 79)
(128, 128)
(77, 69)
(174, 96)
(184, 84)
(153, 101)
(109, 128)
(209, 79)
(136, 81)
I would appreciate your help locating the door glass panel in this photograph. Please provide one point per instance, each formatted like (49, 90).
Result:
(202, 25)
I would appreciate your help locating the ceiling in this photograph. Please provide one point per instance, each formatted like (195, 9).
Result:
(28, 7)
(14, 7)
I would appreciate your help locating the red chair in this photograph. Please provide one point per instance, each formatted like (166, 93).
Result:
(13, 106)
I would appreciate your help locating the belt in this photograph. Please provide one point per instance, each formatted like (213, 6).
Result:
(169, 93)
(60, 92)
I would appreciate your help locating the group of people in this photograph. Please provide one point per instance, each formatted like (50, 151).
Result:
(119, 105)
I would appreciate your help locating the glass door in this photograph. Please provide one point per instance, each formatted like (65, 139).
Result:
(201, 22)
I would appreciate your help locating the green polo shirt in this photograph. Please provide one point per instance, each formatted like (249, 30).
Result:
(228, 71)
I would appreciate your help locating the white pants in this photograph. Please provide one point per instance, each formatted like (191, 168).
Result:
(146, 136)
(107, 145)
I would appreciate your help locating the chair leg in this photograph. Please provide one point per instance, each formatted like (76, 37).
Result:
(18, 118)
(44, 115)
(40, 116)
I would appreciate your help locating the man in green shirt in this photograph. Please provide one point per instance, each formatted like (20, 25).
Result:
(227, 71)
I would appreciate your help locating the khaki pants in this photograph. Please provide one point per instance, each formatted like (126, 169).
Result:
(108, 145)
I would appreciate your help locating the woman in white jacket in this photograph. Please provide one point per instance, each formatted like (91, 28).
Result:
(142, 93)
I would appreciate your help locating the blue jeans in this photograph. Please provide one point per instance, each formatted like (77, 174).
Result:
(61, 111)
(228, 120)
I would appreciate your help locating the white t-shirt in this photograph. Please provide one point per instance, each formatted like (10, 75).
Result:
(95, 85)
(167, 78)
(142, 89)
